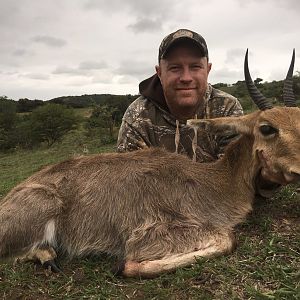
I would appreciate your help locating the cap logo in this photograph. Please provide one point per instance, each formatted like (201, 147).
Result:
(181, 33)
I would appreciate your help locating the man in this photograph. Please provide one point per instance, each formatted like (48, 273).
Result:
(177, 92)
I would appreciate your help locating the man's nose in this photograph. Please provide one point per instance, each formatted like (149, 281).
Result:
(185, 75)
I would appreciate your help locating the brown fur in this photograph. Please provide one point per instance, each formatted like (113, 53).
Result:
(153, 209)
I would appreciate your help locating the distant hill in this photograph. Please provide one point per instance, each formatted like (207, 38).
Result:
(120, 102)
(94, 99)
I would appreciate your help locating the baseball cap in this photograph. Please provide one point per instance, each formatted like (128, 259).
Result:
(181, 34)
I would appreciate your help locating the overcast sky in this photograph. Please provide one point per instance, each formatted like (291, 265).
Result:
(51, 48)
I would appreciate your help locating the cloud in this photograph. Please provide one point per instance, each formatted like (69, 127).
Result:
(290, 4)
(9, 73)
(99, 71)
(134, 68)
(137, 7)
(234, 55)
(108, 46)
(49, 41)
(22, 52)
(105, 6)
(92, 65)
(125, 79)
(104, 77)
(146, 24)
(78, 82)
(38, 76)
(84, 68)
(19, 52)
(8, 11)
(226, 75)
(149, 15)
(67, 70)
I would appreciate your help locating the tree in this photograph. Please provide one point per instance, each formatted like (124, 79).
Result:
(258, 80)
(220, 85)
(8, 119)
(102, 122)
(25, 135)
(50, 122)
(7, 114)
(26, 105)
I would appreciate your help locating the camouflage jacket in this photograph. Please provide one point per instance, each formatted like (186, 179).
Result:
(148, 122)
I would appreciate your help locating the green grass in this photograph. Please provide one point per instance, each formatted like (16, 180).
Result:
(16, 166)
(265, 265)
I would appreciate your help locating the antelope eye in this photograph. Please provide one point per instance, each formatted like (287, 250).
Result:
(267, 130)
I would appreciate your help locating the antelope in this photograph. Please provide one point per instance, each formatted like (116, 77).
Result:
(153, 210)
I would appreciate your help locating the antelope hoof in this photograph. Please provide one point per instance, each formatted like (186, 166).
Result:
(51, 264)
(42, 255)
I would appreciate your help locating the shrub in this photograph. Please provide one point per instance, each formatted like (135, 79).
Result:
(51, 122)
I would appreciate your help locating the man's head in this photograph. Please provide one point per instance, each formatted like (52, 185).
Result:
(183, 70)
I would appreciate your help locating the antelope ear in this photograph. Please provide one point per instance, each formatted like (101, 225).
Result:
(239, 125)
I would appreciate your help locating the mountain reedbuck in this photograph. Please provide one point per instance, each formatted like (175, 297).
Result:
(154, 210)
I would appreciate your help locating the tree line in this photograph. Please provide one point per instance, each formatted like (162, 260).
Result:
(272, 90)
(29, 123)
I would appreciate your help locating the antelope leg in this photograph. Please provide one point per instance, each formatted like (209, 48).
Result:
(45, 255)
(153, 268)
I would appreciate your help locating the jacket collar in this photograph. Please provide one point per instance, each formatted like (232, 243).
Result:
(151, 89)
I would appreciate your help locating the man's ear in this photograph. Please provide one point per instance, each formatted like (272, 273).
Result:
(158, 71)
(241, 125)
(208, 67)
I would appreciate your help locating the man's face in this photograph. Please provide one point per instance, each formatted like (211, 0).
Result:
(183, 74)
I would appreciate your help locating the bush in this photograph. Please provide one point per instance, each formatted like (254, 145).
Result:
(8, 119)
(24, 132)
(50, 122)
(102, 123)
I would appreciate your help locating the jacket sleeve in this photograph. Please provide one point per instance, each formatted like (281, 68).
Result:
(131, 138)
(134, 130)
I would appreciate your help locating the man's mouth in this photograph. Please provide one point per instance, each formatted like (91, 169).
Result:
(186, 89)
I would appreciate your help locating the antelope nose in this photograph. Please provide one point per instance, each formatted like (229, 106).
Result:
(292, 177)
(296, 175)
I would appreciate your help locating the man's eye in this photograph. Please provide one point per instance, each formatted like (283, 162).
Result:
(174, 68)
(196, 67)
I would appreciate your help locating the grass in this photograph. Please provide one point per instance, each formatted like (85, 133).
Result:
(265, 265)
(16, 166)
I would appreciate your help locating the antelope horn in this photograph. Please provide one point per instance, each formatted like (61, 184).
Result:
(258, 98)
(288, 94)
